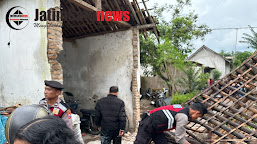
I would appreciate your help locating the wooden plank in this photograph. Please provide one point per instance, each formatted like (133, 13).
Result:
(247, 137)
(100, 21)
(234, 76)
(140, 12)
(73, 6)
(84, 5)
(117, 4)
(226, 85)
(98, 5)
(133, 11)
(71, 25)
(234, 129)
(100, 33)
(122, 23)
(150, 17)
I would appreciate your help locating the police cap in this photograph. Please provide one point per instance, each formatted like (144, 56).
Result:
(54, 84)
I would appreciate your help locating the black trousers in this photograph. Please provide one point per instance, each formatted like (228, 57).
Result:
(110, 135)
(146, 133)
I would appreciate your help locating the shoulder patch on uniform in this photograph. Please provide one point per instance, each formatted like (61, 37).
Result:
(69, 113)
(63, 107)
(177, 106)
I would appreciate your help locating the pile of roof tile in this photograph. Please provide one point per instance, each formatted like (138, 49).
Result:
(232, 109)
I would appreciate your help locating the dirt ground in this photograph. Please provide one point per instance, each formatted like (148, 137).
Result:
(128, 138)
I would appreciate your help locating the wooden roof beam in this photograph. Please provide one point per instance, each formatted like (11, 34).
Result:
(89, 7)
(122, 23)
(98, 5)
(84, 5)
(146, 26)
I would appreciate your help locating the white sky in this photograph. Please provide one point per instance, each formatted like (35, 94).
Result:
(221, 14)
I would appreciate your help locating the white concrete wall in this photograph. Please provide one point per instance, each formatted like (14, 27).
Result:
(210, 59)
(92, 65)
(227, 68)
(23, 64)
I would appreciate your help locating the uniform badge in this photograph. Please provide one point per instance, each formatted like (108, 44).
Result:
(177, 106)
(69, 113)
(56, 111)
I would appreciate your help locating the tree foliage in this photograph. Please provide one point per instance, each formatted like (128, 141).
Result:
(240, 57)
(175, 42)
(216, 74)
(250, 39)
(193, 79)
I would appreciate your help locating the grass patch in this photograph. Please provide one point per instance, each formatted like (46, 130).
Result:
(181, 98)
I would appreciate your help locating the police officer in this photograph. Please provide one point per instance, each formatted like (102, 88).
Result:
(166, 118)
(52, 102)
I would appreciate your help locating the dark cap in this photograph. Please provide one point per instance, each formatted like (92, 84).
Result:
(200, 107)
(54, 84)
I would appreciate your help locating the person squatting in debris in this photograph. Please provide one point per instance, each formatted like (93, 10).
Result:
(54, 103)
(112, 117)
(46, 130)
(165, 118)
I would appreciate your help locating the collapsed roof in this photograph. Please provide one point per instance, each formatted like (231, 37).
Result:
(232, 110)
(80, 17)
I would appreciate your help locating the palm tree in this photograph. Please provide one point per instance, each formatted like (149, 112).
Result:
(251, 40)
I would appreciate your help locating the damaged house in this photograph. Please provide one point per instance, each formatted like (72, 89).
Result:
(232, 109)
(88, 56)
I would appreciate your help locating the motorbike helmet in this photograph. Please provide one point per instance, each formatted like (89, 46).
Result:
(20, 117)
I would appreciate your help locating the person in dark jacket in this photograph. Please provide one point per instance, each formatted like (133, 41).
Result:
(112, 117)
(166, 118)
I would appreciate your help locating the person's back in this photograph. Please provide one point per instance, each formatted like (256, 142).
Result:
(111, 112)
(112, 117)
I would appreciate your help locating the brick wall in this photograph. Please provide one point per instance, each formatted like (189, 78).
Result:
(54, 46)
(135, 92)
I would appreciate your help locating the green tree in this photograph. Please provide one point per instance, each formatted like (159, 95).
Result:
(250, 39)
(225, 54)
(174, 44)
(216, 74)
(240, 57)
(194, 79)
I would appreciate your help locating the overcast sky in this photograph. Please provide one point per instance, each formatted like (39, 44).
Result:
(222, 14)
